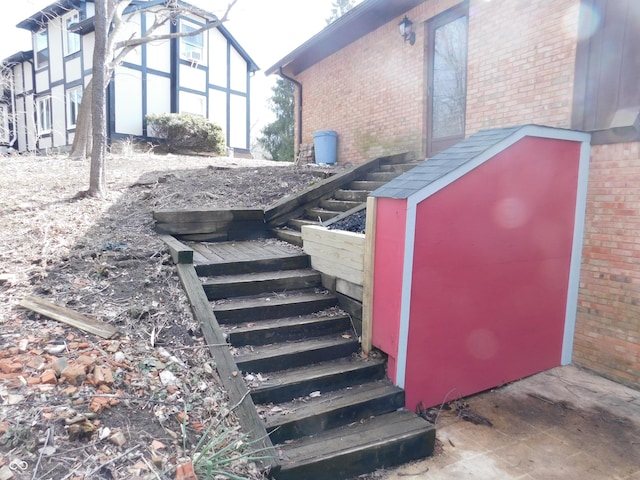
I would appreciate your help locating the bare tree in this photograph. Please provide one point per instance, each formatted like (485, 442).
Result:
(109, 51)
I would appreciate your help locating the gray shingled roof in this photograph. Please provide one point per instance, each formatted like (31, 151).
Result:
(444, 163)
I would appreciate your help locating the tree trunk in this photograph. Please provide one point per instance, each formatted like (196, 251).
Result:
(81, 147)
(97, 181)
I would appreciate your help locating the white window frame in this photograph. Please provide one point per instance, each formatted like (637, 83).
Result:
(43, 115)
(36, 51)
(201, 105)
(71, 40)
(74, 98)
(190, 49)
(4, 123)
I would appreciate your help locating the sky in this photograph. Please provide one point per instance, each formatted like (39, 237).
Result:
(267, 30)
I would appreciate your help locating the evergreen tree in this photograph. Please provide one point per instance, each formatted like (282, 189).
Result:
(277, 137)
(339, 8)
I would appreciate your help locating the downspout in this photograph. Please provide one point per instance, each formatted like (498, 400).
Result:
(299, 119)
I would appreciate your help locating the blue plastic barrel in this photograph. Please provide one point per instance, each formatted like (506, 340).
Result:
(325, 143)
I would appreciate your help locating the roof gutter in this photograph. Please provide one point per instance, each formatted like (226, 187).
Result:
(299, 102)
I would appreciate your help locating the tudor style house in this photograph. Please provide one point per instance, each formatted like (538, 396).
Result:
(207, 74)
(422, 75)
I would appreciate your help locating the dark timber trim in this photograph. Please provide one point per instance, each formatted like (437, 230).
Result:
(232, 381)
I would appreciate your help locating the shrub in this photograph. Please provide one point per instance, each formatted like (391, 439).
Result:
(183, 131)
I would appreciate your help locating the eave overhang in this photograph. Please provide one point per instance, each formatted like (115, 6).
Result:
(356, 23)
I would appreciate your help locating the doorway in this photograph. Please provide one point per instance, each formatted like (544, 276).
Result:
(446, 79)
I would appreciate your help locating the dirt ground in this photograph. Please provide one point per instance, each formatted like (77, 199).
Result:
(74, 405)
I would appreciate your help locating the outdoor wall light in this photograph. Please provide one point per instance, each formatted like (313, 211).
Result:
(406, 30)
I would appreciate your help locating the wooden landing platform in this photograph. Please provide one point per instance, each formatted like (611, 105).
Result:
(224, 252)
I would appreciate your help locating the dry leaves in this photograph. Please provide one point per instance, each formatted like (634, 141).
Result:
(72, 404)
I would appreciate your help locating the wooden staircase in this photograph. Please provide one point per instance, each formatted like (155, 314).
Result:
(338, 199)
(330, 413)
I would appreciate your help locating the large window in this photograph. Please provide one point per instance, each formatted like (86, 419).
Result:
(606, 94)
(41, 48)
(192, 46)
(447, 79)
(74, 97)
(43, 115)
(71, 40)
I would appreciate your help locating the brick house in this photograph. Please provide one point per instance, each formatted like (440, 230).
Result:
(207, 74)
(478, 64)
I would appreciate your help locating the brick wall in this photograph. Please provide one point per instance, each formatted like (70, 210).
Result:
(607, 336)
(520, 70)
(372, 91)
(521, 63)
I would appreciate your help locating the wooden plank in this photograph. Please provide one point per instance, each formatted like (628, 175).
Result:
(368, 274)
(339, 238)
(247, 266)
(385, 440)
(352, 259)
(205, 215)
(69, 317)
(205, 237)
(333, 409)
(285, 385)
(211, 226)
(179, 251)
(337, 270)
(353, 308)
(349, 289)
(316, 192)
(207, 254)
(228, 372)
(263, 282)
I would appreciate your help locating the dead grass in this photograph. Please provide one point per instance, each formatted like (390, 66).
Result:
(102, 258)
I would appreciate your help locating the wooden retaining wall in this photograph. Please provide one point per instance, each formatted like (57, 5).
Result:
(339, 257)
(211, 224)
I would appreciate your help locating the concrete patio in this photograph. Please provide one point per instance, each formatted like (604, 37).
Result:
(565, 423)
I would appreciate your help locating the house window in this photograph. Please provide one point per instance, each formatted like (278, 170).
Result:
(4, 124)
(41, 48)
(191, 47)
(71, 40)
(43, 114)
(74, 97)
(606, 95)
(193, 104)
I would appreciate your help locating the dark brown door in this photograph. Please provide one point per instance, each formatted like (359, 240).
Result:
(446, 79)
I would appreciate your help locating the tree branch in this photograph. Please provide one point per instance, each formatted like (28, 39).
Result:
(146, 38)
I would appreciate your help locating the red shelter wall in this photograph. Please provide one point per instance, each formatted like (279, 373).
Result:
(387, 291)
(491, 271)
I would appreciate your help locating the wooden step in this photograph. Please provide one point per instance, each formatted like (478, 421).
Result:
(338, 205)
(381, 176)
(298, 223)
(294, 261)
(365, 185)
(397, 167)
(351, 195)
(327, 376)
(320, 213)
(405, 157)
(310, 416)
(282, 356)
(380, 442)
(244, 284)
(266, 307)
(287, 329)
(286, 235)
